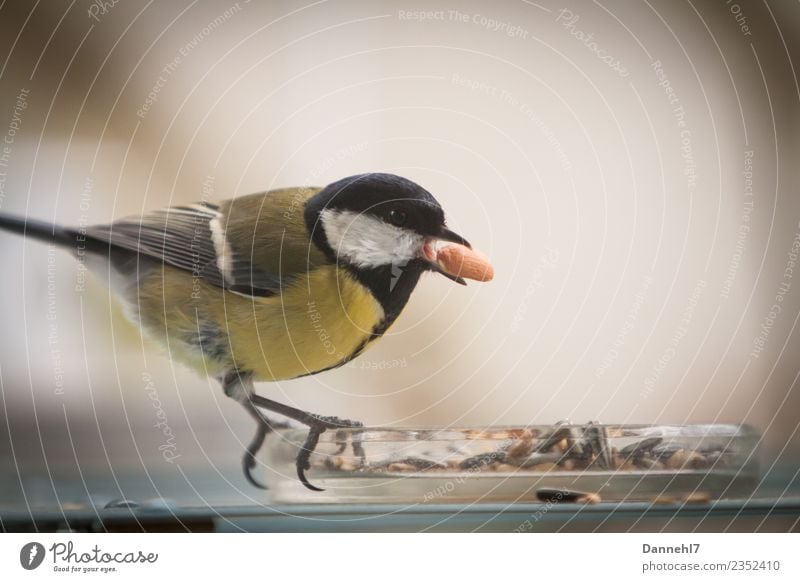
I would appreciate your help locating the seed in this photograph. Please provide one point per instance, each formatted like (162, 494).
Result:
(698, 497)
(696, 461)
(73, 505)
(682, 460)
(401, 467)
(590, 498)
(421, 464)
(553, 439)
(347, 466)
(462, 261)
(523, 433)
(332, 463)
(676, 460)
(641, 447)
(538, 459)
(566, 496)
(482, 460)
(520, 448)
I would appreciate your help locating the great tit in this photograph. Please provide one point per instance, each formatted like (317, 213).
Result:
(270, 286)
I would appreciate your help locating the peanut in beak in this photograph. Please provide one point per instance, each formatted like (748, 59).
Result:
(461, 261)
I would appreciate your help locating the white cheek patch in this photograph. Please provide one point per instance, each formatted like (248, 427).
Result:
(366, 241)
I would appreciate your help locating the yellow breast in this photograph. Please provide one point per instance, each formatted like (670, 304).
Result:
(318, 321)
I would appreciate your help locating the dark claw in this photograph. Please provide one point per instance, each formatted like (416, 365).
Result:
(249, 460)
(319, 426)
(264, 427)
(303, 461)
(249, 464)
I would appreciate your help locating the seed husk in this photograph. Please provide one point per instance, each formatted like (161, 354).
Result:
(483, 460)
(698, 497)
(676, 460)
(553, 439)
(566, 496)
(400, 468)
(641, 447)
(522, 447)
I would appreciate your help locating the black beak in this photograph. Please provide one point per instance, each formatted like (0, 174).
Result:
(436, 268)
(450, 236)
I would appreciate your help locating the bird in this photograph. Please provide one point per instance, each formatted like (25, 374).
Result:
(270, 286)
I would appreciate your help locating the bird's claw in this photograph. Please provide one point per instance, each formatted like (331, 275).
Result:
(249, 460)
(317, 426)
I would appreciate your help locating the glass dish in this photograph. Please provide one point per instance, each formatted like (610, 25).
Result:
(584, 463)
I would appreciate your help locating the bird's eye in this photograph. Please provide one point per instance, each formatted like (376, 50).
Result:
(398, 217)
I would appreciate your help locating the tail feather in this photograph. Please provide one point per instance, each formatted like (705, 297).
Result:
(38, 230)
(74, 240)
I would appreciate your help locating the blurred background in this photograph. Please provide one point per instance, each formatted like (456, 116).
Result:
(631, 170)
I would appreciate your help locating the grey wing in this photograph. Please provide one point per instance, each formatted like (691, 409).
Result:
(188, 238)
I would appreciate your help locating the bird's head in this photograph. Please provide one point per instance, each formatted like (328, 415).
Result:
(377, 221)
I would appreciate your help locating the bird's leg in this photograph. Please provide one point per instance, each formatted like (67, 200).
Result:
(317, 425)
(240, 387)
(264, 427)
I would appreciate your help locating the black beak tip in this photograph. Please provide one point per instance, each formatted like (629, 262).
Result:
(450, 236)
(438, 269)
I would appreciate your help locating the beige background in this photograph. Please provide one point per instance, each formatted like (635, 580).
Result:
(620, 295)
